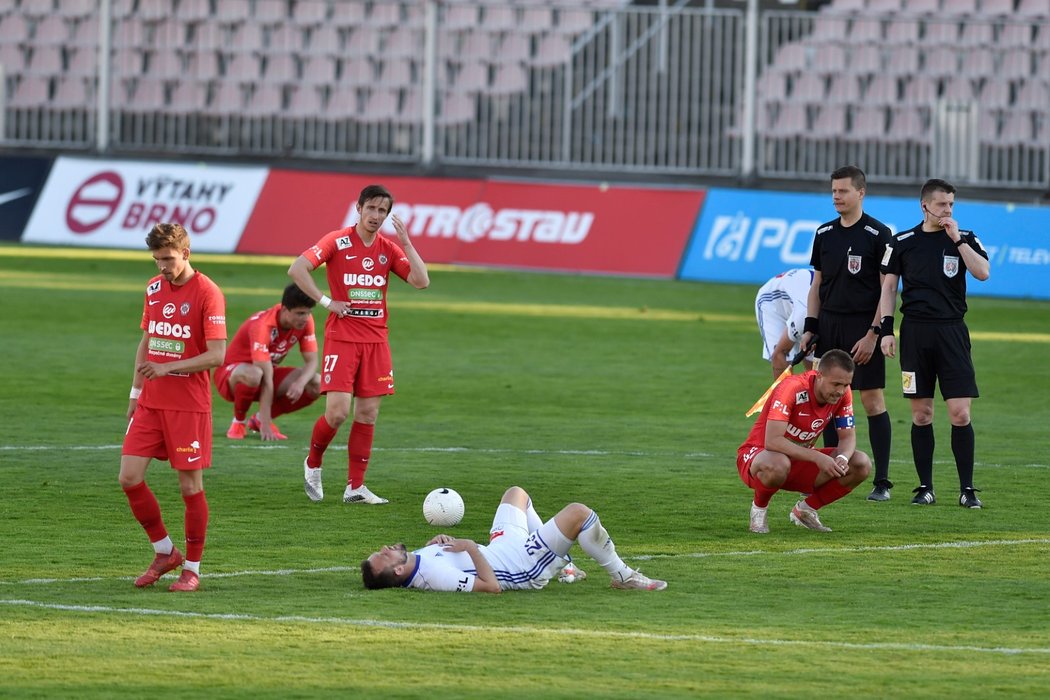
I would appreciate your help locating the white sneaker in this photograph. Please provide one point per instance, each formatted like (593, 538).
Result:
(362, 495)
(759, 522)
(637, 581)
(570, 573)
(804, 516)
(312, 483)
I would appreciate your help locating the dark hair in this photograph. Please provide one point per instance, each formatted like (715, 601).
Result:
(167, 236)
(836, 358)
(373, 191)
(374, 581)
(935, 185)
(295, 298)
(855, 174)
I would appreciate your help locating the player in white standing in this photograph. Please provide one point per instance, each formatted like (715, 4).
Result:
(357, 370)
(780, 309)
(523, 553)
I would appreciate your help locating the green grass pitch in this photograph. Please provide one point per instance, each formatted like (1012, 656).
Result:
(628, 395)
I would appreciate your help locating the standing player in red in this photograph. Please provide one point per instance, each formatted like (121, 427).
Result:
(357, 363)
(779, 452)
(250, 371)
(184, 324)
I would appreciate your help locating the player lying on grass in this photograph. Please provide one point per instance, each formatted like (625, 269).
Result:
(251, 372)
(523, 553)
(779, 452)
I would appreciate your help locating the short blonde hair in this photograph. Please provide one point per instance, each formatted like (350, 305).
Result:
(168, 236)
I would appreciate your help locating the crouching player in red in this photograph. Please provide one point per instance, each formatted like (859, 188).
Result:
(250, 371)
(779, 452)
(169, 414)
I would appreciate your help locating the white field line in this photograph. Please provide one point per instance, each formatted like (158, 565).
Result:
(517, 629)
(965, 544)
(478, 450)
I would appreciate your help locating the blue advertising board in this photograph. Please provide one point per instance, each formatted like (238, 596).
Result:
(747, 236)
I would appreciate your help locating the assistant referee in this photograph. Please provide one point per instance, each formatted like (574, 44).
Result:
(931, 260)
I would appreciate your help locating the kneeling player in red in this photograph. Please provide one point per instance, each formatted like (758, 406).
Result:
(250, 371)
(779, 452)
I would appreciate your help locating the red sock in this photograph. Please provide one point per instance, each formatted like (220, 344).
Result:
(243, 395)
(146, 510)
(319, 441)
(763, 494)
(360, 448)
(828, 493)
(196, 525)
(284, 405)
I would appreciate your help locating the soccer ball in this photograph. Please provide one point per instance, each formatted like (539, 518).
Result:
(443, 507)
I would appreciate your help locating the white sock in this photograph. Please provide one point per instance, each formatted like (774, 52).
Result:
(194, 566)
(757, 507)
(163, 546)
(595, 541)
(532, 518)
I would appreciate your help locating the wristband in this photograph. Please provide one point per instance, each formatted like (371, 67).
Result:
(958, 243)
(877, 330)
(325, 301)
(810, 326)
(844, 458)
(887, 325)
(135, 393)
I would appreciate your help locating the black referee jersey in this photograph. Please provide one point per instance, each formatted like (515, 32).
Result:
(848, 261)
(932, 271)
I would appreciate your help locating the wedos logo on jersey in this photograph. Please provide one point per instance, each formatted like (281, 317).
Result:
(170, 330)
(356, 280)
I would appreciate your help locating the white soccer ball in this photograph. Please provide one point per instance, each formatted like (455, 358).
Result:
(443, 507)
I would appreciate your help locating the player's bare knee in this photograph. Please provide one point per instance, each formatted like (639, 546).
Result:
(516, 496)
(859, 467)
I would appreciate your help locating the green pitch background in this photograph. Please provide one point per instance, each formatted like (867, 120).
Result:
(627, 395)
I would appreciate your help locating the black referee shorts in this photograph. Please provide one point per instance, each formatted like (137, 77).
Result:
(932, 353)
(841, 332)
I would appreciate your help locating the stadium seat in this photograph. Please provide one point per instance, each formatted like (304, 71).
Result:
(284, 38)
(149, 97)
(907, 125)
(357, 70)
(247, 37)
(36, 9)
(868, 123)
(978, 62)
(977, 34)
(384, 15)
(1014, 64)
(922, 7)
(498, 18)
(232, 12)
(940, 62)
(791, 57)
(266, 100)
(1033, 94)
(844, 89)
(940, 33)
(397, 72)
(45, 60)
(305, 102)
(402, 43)
(995, 94)
(281, 68)
(1015, 35)
(379, 106)
(844, 7)
(958, 88)
(242, 68)
(154, 10)
(959, 8)
(348, 15)
(514, 47)
(865, 60)
(51, 31)
(882, 90)
(508, 79)
(772, 86)
(270, 12)
(903, 60)
(342, 104)
(73, 93)
(309, 13)
(902, 31)
(412, 107)
(320, 70)
(476, 44)
(536, 19)
(885, 7)
(828, 59)
(85, 33)
(127, 62)
(457, 108)
(228, 99)
(14, 29)
(73, 9)
(1017, 129)
(553, 50)
(808, 87)
(1033, 9)
(325, 39)
(921, 89)
(363, 41)
(32, 91)
(573, 20)
(165, 64)
(12, 58)
(193, 11)
(829, 28)
(471, 76)
(189, 97)
(865, 29)
(1042, 38)
(459, 16)
(996, 8)
(829, 123)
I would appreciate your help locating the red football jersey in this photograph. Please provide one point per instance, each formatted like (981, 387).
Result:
(260, 339)
(180, 320)
(359, 275)
(793, 401)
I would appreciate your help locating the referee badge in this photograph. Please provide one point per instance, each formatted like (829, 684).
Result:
(908, 382)
(951, 265)
(853, 264)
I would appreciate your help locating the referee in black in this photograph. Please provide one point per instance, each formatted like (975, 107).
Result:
(843, 307)
(932, 260)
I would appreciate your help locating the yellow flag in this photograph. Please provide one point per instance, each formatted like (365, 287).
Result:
(762, 399)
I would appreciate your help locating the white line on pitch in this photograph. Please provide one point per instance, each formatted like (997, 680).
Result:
(640, 557)
(517, 629)
(482, 450)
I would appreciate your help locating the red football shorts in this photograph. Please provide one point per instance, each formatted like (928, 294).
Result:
(361, 369)
(801, 477)
(222, 380)
(180, 437)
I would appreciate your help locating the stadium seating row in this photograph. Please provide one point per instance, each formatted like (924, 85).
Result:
(987, 9)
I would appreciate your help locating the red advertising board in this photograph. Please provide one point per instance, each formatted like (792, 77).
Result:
(623, 230)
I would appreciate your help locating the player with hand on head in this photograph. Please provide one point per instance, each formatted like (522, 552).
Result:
(844, 308)
(779, 454)
(251, 372)
(169, 414)
(357, 368)
(523, 553)
(780, 308)
(931, 262)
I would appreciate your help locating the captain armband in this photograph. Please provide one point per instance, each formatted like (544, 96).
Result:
(844, 422)
(135, 392)
(325, 301)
